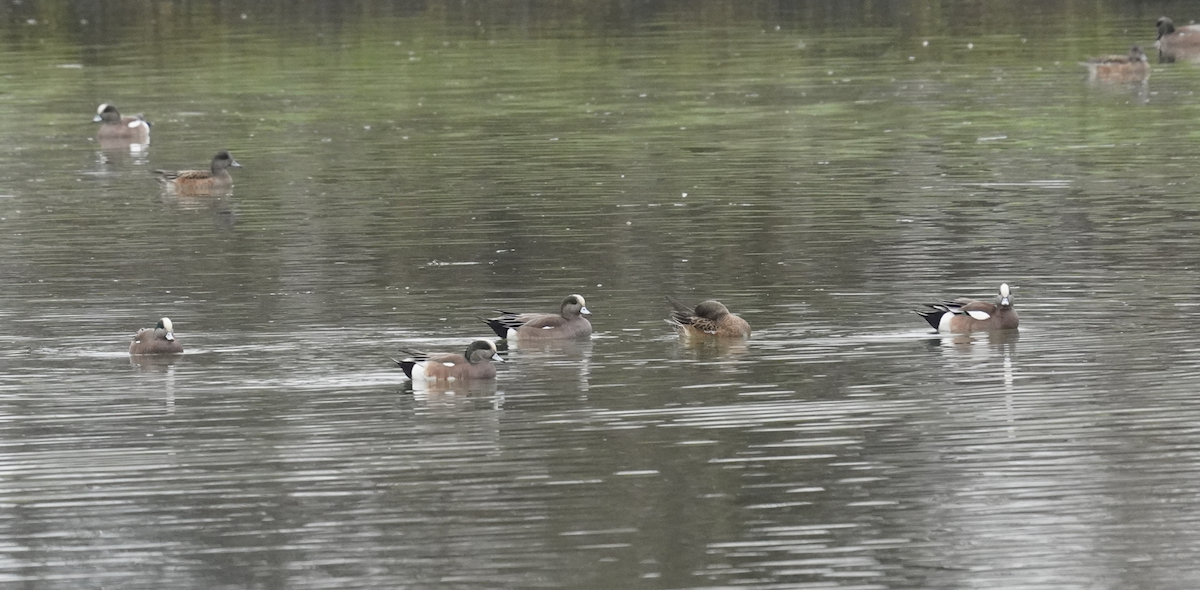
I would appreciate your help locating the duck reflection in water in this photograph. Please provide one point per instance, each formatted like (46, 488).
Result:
(220, 206)
(714, 349)
(445, 394)
(980, 347)
(160, 364)
(552, 359)
(970, 344)
(154, 363)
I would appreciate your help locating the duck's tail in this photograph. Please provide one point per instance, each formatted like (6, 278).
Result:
(405, 365)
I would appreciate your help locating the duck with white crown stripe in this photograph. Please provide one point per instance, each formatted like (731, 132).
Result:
(963, 315)
(567, 324)
(474, 364)
(157, 340)
(116, 129)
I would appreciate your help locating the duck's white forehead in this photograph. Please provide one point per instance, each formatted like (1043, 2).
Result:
(101, 108)
(167, 325)
(1004, 289)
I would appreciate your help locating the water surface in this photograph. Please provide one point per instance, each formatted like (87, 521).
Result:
(411, 167)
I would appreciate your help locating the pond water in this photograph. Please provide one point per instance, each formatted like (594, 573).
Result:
(410, 167)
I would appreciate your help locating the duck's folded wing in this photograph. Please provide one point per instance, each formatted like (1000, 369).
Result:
(980, 310)
(193, 175)
(541, 321)
(704, 325)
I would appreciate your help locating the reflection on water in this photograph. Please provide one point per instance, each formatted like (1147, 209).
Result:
(159, 365)
(714, 349)
(118, 154)
(432, 395)
(408, 165)
(568, 361)
(220, 208)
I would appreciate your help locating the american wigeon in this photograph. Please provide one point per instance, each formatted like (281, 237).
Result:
(1172, 43)
(157, 340)
(965, 315)
(709, 319)
(1120, 69)
(569, 323)
(115, 128)
(475, 363)
(216, 177)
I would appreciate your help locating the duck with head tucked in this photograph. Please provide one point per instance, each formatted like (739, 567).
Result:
(474, 364)
(1120, 69)
(157, 340)
(708, 319)
(117, 130)
(197, 181)
(568, 323)
(1177, 43)
(965, 315)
